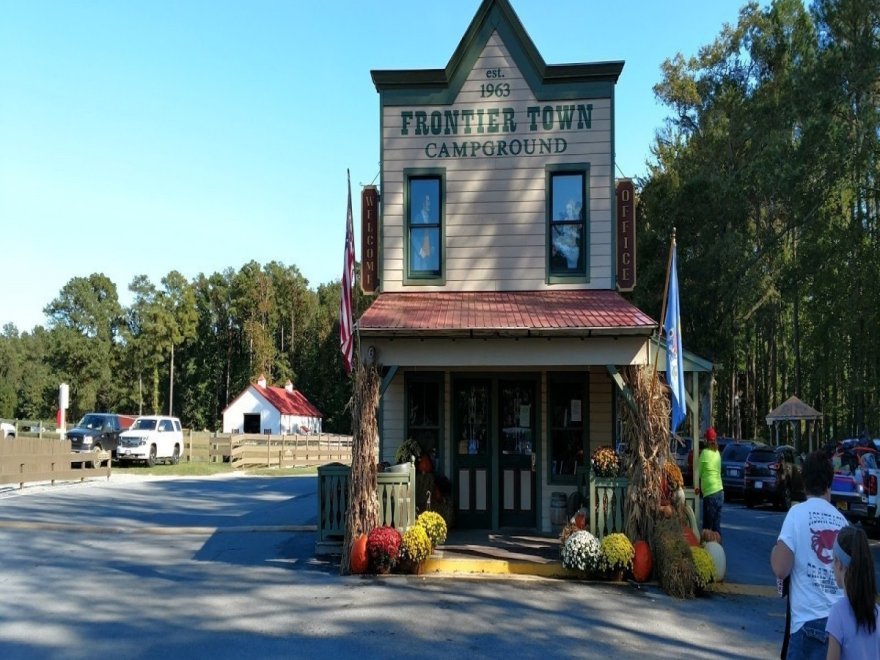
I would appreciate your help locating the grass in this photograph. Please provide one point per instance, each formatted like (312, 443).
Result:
(208, 469)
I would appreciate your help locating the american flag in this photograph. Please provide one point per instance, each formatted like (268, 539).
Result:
(346, 332)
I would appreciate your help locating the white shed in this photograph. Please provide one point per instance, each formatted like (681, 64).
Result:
(271, 410)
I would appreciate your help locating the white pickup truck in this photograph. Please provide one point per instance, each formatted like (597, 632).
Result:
(150, 439)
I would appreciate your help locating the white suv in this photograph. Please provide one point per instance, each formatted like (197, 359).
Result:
(150, 439)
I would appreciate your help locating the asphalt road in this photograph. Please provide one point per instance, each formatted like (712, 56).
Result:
(219, 568)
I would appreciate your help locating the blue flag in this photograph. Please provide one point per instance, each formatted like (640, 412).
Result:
(672, 327)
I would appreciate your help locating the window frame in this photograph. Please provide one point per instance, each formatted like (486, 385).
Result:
(550, 172)
(422, 277)
(422, 377)
(568, 380)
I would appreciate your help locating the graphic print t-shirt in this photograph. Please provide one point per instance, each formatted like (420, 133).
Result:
(809, 530)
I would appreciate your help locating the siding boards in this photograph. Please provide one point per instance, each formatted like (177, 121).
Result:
(494, 213)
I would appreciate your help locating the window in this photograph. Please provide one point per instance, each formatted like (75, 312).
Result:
(423, 411)
(567, 404)
(424, 213)
(567, 222)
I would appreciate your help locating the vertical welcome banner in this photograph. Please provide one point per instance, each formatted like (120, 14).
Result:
(369, 239)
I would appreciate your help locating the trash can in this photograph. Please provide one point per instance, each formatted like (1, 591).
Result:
(558, 512)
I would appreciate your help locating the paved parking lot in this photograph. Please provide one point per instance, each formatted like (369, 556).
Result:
(219, 567)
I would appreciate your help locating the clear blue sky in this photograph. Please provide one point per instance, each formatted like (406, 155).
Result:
(197, 135)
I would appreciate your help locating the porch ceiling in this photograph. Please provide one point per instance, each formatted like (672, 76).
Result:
(568, 313)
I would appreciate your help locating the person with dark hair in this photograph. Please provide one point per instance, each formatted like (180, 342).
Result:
(852, 621)
(804, 551)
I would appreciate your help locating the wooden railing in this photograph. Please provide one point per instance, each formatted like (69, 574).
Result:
(395, 491)
(606, 501)
(28, 460)
(250, 451)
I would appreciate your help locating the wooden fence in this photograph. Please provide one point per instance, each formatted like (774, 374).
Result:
(28, 460)
(286, 451)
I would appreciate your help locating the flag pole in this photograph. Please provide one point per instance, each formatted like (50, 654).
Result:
(663, 310)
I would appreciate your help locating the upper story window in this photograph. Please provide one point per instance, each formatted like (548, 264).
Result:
(567, 222)
(424, 213)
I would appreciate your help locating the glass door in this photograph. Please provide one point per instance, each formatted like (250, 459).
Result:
(473, 459)
(517, 439)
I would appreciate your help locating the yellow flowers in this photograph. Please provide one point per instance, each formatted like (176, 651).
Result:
(415, 545)
(616, 553)
(434, 526)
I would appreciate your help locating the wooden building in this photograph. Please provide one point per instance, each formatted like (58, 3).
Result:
(498, 321)
(262, 408)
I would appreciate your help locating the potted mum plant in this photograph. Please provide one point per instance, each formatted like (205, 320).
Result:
(616, 555)
(605, 463)
(434, 525)
(415, 547)
(581, 552)
(383, 548)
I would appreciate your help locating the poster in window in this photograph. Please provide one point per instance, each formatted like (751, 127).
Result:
(575, 410)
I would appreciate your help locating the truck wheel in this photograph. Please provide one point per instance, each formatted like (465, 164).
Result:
(96, 449)
(175, 457)
(151, 460)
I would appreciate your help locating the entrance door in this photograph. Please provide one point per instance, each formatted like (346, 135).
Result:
(473, 458)
(517, 436)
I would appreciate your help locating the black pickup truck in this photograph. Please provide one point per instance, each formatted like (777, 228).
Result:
(99, 432)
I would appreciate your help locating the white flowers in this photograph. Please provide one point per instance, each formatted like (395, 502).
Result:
(582, 552)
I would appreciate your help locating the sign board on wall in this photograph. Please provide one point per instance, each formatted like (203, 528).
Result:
(626, 235)
(369, 239)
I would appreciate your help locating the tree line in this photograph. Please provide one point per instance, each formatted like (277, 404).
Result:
(185, 346)
(767, 169)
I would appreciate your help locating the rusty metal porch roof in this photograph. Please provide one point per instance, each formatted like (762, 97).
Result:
(568, 313)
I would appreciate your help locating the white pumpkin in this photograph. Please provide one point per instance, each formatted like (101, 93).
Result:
(718, 558)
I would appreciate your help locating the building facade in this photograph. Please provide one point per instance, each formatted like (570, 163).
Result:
(498, 321)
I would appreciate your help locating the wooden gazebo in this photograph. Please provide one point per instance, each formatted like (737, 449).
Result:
(794, 410)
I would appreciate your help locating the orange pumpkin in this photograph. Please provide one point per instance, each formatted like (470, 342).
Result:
(691, 538)
(643, 561)
(580, 519)
(424, 464)
(359, 562)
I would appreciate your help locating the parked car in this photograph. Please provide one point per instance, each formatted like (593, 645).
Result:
(773, 474)
(98, 432)
(854, 488)
(150, 439)
(733, 460)
(7, 430)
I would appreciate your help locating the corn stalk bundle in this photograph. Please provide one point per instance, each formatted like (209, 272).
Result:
(362, 514)
(646, 432)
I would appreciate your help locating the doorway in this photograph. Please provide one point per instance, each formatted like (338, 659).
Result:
(494, 434)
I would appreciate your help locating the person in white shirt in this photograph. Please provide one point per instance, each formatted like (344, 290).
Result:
(804, 551)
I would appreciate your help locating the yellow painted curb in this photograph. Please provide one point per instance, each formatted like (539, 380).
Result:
(497, 567)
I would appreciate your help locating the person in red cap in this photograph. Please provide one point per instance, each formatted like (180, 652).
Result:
(709, 484)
